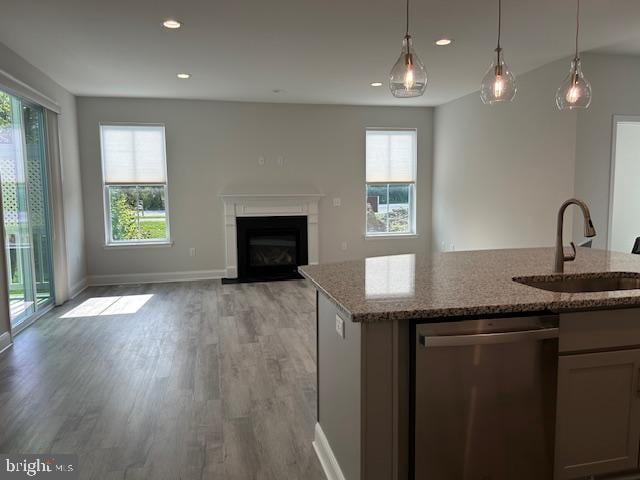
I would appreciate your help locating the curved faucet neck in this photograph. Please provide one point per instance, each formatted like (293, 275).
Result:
(574, 201)
(589, 231)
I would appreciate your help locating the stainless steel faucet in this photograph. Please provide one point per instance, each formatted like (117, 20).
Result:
(589, 231)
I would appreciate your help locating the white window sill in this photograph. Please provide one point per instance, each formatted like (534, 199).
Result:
(387, 236)
(124, 246)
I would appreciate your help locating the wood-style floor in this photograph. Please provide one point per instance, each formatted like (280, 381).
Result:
(192, 380)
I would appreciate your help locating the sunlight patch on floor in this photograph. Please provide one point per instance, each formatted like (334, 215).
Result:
(99, 306)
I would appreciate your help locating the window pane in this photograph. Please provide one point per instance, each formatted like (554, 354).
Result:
(137, 213)
(399, 208)
(389, 208)
(376, 208)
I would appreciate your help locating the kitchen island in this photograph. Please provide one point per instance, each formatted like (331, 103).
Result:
(371, 313)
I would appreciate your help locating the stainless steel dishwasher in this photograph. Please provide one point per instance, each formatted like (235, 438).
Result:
(484, 395)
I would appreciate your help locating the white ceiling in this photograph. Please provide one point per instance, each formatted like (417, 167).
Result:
(314, 51)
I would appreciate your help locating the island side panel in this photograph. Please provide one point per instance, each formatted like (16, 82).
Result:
(385, 400)
(339, 381)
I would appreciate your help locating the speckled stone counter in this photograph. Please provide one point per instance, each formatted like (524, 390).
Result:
(464, 284)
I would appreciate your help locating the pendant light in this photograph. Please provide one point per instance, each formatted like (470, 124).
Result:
(408, 77)
(499, 84)
(575, 91)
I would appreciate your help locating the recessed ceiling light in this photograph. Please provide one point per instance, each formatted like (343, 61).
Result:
(376, 84)
(184, 76)
(443, 42)
(171, 23)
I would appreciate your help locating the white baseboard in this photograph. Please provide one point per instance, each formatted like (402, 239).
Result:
(161, 277)
(325, 455)
(78, 287)
(5, 341)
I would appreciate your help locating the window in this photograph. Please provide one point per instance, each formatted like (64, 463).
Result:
(391, 182)
(134, 176)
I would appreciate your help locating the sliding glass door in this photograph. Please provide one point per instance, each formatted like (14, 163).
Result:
(38, 201)
(25, 208)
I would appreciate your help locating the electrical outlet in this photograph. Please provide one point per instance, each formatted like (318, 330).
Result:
(343, 245)
(261, 160)
(340, 326)
(192, 252)
(337, 202)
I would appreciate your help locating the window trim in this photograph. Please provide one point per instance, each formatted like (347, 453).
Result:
(108, 241)
(414, 232)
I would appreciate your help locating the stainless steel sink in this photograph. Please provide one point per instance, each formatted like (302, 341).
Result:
(583, 282)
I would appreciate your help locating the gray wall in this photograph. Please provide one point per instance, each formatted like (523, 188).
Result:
(211, 145)
(72, 187)
(501, 172)
(615, 80)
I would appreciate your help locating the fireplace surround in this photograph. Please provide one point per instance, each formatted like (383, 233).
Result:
(274, 201)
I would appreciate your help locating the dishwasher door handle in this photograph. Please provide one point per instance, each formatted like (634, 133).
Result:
(487, 338)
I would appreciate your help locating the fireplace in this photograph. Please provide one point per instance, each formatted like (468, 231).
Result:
(271, 248)
(270, 205)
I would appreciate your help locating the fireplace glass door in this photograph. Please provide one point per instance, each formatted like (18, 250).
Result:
(272, 250)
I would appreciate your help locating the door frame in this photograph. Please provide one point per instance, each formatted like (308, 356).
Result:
(612, 169)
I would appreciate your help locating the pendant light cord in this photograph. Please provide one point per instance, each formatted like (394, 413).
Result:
(577, 26)
(406, 32)
(500, 22)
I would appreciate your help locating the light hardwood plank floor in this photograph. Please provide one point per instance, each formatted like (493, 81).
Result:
(193, 380)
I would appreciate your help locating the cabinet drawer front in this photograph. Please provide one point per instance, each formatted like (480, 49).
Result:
(599, 330)
(598, 414)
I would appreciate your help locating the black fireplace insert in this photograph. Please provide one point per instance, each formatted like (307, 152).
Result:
(271, 248)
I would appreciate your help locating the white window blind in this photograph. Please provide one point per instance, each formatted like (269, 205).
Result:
(133, 154)
(391, 156)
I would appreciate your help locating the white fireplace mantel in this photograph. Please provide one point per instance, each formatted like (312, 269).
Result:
(267, 202)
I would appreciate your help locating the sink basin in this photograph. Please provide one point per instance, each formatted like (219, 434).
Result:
(583, 282)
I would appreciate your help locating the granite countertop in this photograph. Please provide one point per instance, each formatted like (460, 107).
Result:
(462, 284)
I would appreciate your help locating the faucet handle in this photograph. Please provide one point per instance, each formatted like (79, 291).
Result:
(571, 257)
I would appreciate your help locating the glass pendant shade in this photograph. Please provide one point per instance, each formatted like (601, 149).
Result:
(499, 84)
(408, 76)
(575, 91)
